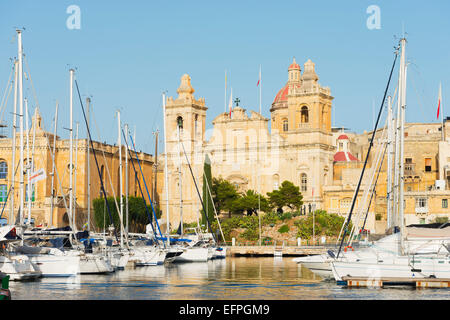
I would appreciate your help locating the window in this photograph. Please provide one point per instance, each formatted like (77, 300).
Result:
(195, 124)
(444, 203)
(180, 122)
(421, 202)
(304, 182)
(3, 170)
(304, 115)
(427, 164)
(3, 192)
(285, 125)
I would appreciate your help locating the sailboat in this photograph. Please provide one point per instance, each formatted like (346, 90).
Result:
(416, 253)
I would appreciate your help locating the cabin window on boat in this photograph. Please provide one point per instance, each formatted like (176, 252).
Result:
(427, 164)
(3, 192)
(445, 203)
(3, 170)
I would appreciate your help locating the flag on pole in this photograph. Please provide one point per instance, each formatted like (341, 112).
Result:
(439, 101)
(37, 176)
(230, 104)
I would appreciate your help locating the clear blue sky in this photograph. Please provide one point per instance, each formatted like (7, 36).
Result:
(128, 52)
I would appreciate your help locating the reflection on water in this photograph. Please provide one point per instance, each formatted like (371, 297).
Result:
(232, 278)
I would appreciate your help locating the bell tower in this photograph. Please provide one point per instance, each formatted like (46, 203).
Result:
(185, 118)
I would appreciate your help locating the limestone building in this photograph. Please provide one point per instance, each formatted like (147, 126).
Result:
(41, 199)
(298, 144)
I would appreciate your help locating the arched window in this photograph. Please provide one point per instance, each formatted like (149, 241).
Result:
(285, 125)
(276, 181)
(303, 182)
(304, 115)
(3, 170)
(180, 122)
(195, 124)
(3, 192)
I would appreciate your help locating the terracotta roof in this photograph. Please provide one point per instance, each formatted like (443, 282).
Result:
(343, 137)
(294, 65)
(344, 156)
(282, 94)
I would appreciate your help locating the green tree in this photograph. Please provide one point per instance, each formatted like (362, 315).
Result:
(207, 181)
(224, 194)
(250, 202)
(137, 214)
(288, 195)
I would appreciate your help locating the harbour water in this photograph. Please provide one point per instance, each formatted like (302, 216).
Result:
(232, 278)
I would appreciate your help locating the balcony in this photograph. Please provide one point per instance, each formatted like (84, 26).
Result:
(410, 169)
(422, 210)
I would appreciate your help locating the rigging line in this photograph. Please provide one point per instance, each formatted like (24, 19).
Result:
(6, 103)
(418, 98)
(107, 168)
(215, 211)
(31, 81)
(3, 104)
(368, 185)
(96, 163)
(58, 178)
(142, 194)
(145, 183)
(373, 188)
(425, 94)
(368, 152)
(9, 191)
(198, 192)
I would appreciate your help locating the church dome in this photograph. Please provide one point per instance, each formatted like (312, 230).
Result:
(344, 156)
(343, 137)
(282, 95)
(294, 65)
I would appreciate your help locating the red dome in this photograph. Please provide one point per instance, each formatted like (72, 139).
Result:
(282, 94)
(344, 156)
(343, 137)
(294, 65)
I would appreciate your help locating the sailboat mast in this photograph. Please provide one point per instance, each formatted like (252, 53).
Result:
(126, 179)
(180, 127)
(21, 190)
(28, 163)
(389, 163)
(75, 174)
(166, 177)
(13, 178)
(88, 106)
(53, 168)
(71, 71)
(402, 141)
(120, 177)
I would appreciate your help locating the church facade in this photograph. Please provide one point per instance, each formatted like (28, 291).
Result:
(298, 144)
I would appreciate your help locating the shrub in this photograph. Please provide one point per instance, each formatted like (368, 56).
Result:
(324, 224)
(283, 229)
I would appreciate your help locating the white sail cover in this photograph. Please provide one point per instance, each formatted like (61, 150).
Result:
(432, 233)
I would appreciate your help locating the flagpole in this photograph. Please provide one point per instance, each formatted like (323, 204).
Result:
(257, 153)
(442, 111)
(225, 101)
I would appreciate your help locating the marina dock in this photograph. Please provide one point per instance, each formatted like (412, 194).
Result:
(293, 251)
(414, 282)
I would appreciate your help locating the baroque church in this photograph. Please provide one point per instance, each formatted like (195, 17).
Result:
(299, 146)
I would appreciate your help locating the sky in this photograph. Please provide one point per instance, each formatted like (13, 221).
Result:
(126, 53)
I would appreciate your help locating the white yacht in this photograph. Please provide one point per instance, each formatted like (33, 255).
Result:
(17, 266)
